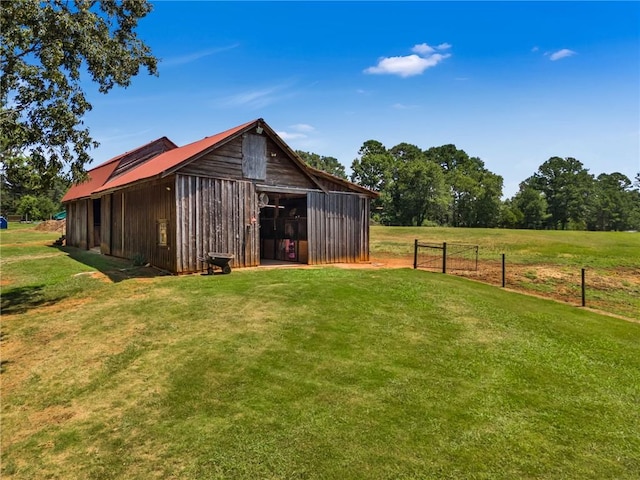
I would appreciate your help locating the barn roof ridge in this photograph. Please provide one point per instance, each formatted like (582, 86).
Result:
(105, 177)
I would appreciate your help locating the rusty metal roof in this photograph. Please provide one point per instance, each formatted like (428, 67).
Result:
(97, 176)
(105, 177)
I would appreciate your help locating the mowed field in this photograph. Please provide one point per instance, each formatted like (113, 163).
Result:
(546, 263)
(115, 371)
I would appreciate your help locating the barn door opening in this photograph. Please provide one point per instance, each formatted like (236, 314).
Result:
(94, 238)
(283, 228)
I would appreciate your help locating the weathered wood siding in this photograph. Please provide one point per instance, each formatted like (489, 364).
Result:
(130, 223)
(338, 228)
(215, 215)
(227, 162)
(105, 225)
(116, 239)
(77, 227)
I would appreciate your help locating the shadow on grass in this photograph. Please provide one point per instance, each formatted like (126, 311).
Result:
(22, 299)
(116, 269)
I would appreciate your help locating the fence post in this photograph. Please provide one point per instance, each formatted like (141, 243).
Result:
(444, 257)
(503, 271)
(584, 300)
(415, 254)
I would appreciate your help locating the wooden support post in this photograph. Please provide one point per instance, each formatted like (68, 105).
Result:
(584, 300)
(415, 254)
(503, 271)
(444, 257)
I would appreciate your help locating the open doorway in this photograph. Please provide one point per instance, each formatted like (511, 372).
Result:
(283, 228)
(95, 228)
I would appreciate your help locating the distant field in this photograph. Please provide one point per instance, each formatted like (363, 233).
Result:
(111, 371)
(545, 262)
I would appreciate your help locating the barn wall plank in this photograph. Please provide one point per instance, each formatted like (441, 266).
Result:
(105, 225)
(143, 206)
(338, 228)
(214, 215)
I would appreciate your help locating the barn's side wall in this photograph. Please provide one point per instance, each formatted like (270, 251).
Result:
(130, 223)
(76, 230)
(215, 215)
(338, 226)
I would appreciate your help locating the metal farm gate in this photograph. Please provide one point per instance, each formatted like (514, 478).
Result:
(445, 257)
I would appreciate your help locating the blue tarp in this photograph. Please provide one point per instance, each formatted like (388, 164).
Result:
(3, 223)
(60, 215)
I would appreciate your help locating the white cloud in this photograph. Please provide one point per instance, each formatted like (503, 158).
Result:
(291, 135)
(192, 57)
(535, 49)
(423, 49)
(402, 106)
(302, 127)
(410, 65)
(297, 132)
(406, 66)
(564, 53)
(259, 98)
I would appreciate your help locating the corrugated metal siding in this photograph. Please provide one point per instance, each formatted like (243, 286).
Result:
(215, 215)
(338, 228)
(76, 223)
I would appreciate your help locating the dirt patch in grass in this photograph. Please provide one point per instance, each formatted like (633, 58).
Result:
(52, 226)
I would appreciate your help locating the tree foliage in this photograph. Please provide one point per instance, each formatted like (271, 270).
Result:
(614, 204)
(47, 46)
(566, 185)
(19, 179)
(326, 164)
(441, 185)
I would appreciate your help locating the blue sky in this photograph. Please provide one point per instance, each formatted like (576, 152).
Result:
(513, 83)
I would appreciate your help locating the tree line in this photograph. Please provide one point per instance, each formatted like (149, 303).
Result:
(447, 187)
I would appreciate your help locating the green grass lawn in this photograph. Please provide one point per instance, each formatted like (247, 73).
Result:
(546, 262)
(323, 373)
(576, 248)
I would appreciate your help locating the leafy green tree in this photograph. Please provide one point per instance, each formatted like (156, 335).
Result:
(19, 178)
(532, 205)
(612, 204)
(373, 167)
(326, 164)
(510, 215)
(566, 185)
(36, 208)
(45, 48)
(417, 190)
(475, 192)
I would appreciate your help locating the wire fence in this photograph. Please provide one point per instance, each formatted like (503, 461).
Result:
(445, 256)
(616, 293)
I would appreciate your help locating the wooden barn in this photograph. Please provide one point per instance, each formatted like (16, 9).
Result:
(242, 192)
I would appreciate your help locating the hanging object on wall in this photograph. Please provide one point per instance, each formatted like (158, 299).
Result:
(263, 200)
